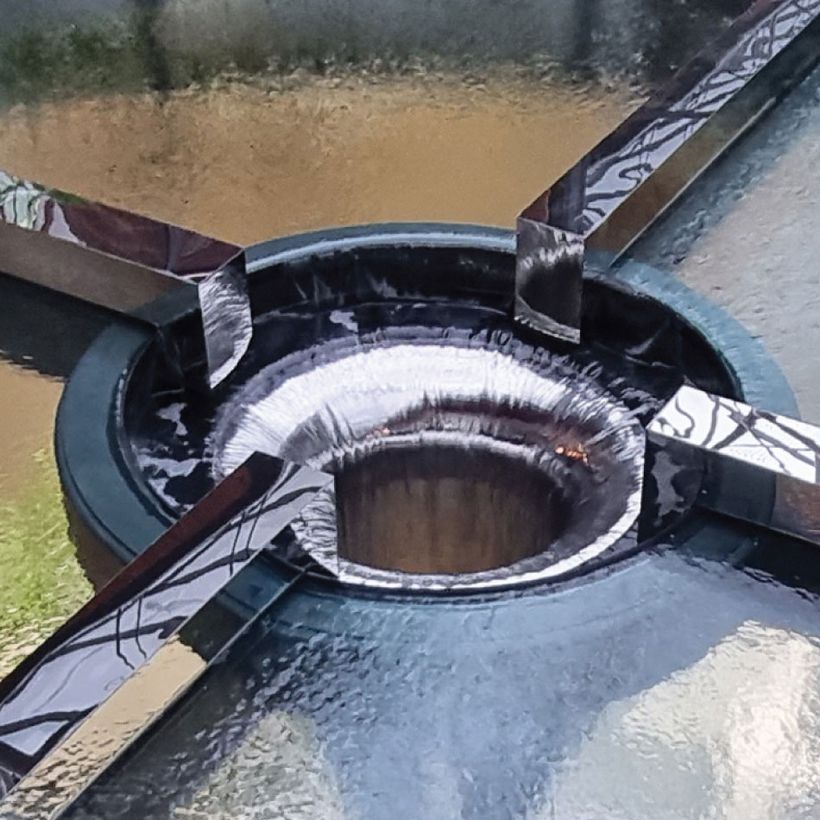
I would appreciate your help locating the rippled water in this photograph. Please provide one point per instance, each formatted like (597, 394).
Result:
(745, 236)
(683, 685)
(671, 689)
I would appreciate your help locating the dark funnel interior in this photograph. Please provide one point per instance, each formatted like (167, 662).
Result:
(445, 509)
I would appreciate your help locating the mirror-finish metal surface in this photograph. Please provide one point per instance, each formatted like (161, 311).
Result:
(639, 696)
(609, 198)
(466, 429)
(119, 723)
(118, 631)
(758, 466)
(124, 262)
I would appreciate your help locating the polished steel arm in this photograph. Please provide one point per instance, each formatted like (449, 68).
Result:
(125, 262)
(755, 466)
(612, 195)
(124, 632)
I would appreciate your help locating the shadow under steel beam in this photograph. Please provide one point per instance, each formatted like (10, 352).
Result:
(45, 330)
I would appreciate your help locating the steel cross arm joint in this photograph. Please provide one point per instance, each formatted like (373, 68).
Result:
(137, 625)
(755, 466)
(613, 194)
(127, 263)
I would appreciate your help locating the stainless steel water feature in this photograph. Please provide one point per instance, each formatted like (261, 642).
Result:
(758, 466)
(729, 445)
(460, 462)
(614, 193)
(118, 634)
(130, 264)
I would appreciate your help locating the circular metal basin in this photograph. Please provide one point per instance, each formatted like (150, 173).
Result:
(468, 455)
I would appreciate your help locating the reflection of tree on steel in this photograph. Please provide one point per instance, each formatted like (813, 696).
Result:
(759, 466)
(613, 194)
(128, 263)
(120, 629)
(22, 203)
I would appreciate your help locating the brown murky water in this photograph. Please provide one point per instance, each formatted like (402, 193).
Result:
(28, 403)
(246, 163)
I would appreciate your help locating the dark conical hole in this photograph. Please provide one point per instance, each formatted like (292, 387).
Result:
(434, 509)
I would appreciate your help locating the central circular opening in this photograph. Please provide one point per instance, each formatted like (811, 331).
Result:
(468, 455)
(462, 458)
(445, 509)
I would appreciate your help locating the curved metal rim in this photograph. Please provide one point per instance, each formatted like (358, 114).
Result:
(115, 502)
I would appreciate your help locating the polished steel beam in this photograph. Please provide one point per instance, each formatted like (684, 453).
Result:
(50, 789)
(755, 466)
(125, 262)
(166, 593)
(612, 195)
